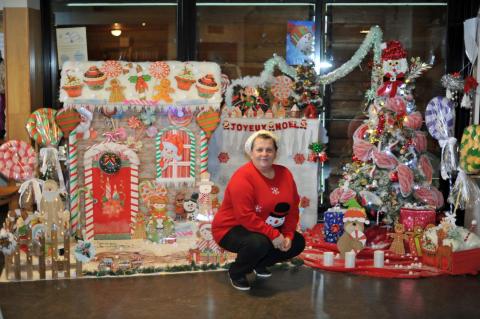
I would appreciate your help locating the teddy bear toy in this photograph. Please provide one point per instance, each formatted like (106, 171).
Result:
(353, 238)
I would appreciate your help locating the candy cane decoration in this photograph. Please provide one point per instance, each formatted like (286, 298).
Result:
(73, 180)
(89, 201)
(133, 196)
(203, 152)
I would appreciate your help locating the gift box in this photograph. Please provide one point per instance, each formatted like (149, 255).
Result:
(411, 217)
(333, 225)
(463, 262)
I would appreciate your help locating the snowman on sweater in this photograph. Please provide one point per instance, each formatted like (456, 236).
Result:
(277, 218)
(394, 67)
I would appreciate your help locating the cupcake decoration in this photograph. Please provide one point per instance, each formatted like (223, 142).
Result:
(185, 79)
(94, 78)
(73, 86)
(206, 86)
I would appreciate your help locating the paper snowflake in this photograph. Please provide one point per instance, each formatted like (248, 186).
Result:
(275, 190)
(223, 157)
(304, 202)
(299, 158)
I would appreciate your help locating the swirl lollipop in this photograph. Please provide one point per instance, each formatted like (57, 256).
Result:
(42, 128)
(17, 160)
(440, 118)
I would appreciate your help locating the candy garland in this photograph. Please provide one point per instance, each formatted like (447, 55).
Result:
(73, 181)
(203, 152)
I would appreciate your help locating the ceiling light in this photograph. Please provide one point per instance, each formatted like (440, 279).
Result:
(116, 32)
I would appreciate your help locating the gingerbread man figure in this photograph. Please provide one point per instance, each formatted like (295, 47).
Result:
(163, 91)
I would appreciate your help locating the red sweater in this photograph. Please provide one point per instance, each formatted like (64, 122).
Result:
(251, 198)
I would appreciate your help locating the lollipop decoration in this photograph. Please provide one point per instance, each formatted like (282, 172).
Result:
(159, 70)
(208, 121)
(42, 128)
(440, 121)
(17, 160)
(67, 120)
(111, 68)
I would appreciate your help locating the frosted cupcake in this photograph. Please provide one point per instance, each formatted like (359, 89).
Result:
(185, 79)
(73, 86)
(94, 78)
(207, 86)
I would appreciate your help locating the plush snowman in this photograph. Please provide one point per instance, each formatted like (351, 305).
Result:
(394, 67)
(277, 218)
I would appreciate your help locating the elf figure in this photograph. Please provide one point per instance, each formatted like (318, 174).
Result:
(394, 67)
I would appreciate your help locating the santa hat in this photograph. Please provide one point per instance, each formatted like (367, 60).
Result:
(355, 215)
(297, 32)
(355, 212)
(251, 138)
(393, 50)
(172, 142)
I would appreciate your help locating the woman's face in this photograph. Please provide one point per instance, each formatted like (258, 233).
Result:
(263, 153)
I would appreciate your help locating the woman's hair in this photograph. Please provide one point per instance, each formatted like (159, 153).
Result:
(263, 134)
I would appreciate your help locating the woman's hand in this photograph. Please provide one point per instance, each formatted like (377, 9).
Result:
(278, 242)
(287, 244)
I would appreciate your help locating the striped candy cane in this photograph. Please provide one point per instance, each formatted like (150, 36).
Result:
(134, 196)
(203, 152)
(89, 201)
(73, 181)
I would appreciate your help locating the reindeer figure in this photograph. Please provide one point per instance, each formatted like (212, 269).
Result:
(443, 251)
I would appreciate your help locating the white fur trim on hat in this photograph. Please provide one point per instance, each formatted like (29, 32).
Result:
(251, 138)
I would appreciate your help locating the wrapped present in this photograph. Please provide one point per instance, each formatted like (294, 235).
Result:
(462, 262)
(333, 227)
(411, 217)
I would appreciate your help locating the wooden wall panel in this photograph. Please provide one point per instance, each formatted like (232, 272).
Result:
(24, 84)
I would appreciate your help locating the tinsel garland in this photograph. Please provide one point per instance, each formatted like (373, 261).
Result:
(373, 39)
(265, 78)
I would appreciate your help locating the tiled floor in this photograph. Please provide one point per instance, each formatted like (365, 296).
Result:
(301, 293)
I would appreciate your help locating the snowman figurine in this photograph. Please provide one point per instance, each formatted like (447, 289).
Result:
(394, 67)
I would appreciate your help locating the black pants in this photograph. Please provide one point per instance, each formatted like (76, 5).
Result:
(256, 250)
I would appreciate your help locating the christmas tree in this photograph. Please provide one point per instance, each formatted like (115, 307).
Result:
(390, 168)
(306, 89)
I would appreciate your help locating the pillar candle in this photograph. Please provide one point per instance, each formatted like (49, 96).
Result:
(328, 258)
(378, 258)
(350, 259)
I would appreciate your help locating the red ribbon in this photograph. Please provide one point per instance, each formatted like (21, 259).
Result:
(390, 87)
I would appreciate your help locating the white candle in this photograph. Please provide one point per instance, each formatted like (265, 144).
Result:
(328, 258)
(378, 256)
(350, 259)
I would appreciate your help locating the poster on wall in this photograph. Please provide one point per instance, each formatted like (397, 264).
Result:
(300, 41)
(71, 45)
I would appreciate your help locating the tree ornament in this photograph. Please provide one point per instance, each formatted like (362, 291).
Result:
(393, 176)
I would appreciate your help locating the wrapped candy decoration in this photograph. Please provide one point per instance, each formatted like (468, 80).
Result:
(470, 150)
(341, 195)
(384, 160)
(426, 168)
(405, 178)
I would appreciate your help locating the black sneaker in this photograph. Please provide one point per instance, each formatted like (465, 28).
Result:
(262, 272)
(240, 283)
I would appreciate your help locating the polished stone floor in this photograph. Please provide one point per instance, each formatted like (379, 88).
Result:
(295, 293)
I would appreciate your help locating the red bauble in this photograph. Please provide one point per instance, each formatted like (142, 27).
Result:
(322, 157)
(394, 176)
